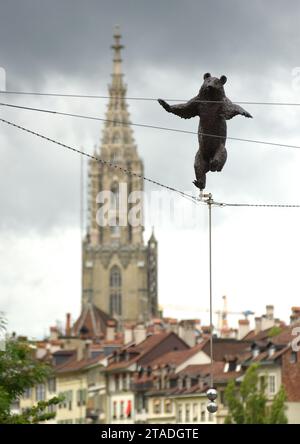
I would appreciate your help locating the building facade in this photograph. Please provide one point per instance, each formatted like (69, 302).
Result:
(119, 269)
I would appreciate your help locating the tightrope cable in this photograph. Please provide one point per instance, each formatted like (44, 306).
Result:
(102, 161)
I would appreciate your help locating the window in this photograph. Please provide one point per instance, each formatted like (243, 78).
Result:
(293, 357)
(117, 383)
(168, 406)
(203, 412)
(52, 385)
(67, 400)
(122, 409)
(115, 277)
(272, 384)
(114, 410)
(157, 406)
(232, 366)
(195, 412)
(81, 397)
(187, 413)
(40, 392)
(179, 413)
(115, 291)
(27, 393)
(125, 382)
(52, 408)
(222, 398)
(262, 383)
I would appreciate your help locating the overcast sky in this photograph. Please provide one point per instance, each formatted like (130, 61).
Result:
(64, 46)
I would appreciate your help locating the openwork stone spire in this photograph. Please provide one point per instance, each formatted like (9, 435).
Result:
(117, 146)
(117, 143)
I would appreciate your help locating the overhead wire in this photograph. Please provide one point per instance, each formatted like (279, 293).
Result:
(95, 96)
(81, 116)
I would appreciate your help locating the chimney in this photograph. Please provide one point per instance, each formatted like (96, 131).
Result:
(128, 334)
(53, 333)
(270, 312)
(187, 331)
(68, 324)
(295, 316)
(172, 325)
(267, 320)
(257, 325)
(83, 347)
(87, 349)
(244, 328)
(157, 325)
(110, 330)
(139, 333)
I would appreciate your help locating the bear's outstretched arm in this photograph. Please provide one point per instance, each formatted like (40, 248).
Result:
(231, 109)
(184, 110)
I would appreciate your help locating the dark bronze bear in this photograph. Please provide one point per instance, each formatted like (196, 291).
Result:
(213, 108)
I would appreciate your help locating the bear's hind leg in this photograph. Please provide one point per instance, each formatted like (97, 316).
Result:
(219, 159)
(201, 167)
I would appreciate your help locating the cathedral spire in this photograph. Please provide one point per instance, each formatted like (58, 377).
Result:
(117, 47)
(117, 89)
(117, 137)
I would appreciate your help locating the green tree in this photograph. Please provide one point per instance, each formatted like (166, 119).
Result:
(19, 370)
(277, 410)
(248, 404)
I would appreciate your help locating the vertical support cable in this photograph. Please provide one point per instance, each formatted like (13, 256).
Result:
(209, 203)
(211, 393)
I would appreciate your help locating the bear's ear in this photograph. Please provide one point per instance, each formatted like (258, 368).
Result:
(223, 80)
(206, 75)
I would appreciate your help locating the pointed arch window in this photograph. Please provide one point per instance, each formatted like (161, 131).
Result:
(115, 283)
(115, 195)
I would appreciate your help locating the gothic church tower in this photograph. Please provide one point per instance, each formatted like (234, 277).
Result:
(119, 270)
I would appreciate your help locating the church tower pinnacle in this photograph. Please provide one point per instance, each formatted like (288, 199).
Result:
(119, 269)
(117, 146)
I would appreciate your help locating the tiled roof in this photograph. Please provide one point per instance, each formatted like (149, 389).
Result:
(227, 376)
(140, 350)
(195, 370)
(252, 336)
(92, 322)
(177, 357)
(122, 364)
(286, 335)
(73, 365)
(148, 343)
(222, 347)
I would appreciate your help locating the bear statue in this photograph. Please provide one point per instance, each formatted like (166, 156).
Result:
(213, 108)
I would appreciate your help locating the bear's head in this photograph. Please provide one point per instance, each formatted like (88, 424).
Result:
(212, 87)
